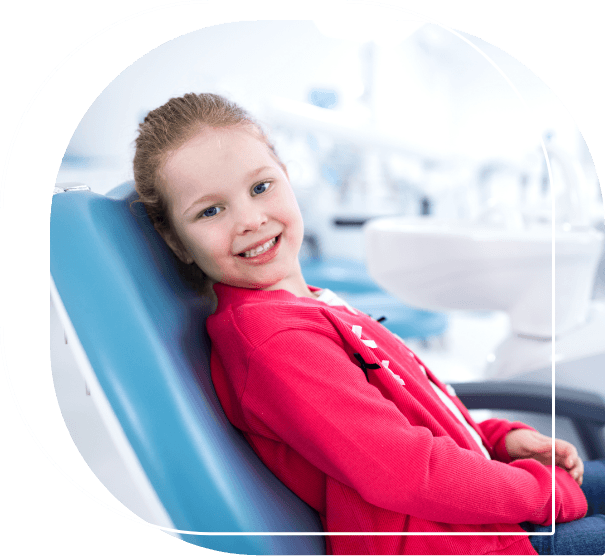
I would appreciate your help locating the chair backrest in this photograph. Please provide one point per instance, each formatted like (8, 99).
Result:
(143, 331)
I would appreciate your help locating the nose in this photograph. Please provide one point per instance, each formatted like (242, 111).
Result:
(250, 218)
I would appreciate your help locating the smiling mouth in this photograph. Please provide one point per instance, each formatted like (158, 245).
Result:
(260, 249)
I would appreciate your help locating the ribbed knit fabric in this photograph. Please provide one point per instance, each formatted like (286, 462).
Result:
(317, 392)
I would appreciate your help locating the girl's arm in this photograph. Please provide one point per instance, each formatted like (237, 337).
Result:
(515, 440)
(303, 391)
(531, 444)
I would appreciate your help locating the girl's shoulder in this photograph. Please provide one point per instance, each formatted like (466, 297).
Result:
(259, 315)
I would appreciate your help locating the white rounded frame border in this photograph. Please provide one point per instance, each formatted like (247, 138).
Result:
(130, 459)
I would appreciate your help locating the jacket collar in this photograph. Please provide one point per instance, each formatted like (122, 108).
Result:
(231, 295)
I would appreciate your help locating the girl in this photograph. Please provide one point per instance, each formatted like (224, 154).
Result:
(332, 402)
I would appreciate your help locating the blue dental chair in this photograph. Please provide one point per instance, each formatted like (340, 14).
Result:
(139, 329)
(142, 330)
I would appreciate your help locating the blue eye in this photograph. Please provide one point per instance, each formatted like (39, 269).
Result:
(212, 211)
(261, 188)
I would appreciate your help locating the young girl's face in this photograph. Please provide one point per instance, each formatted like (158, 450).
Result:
(233, 211)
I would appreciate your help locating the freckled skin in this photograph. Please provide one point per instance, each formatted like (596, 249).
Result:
(225, 165)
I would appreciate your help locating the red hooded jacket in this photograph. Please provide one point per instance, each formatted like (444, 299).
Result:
(317, 391)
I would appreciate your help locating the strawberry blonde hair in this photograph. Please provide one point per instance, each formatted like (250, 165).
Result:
(167, 128)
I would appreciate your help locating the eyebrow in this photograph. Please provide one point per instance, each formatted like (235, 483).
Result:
(255, 173)
(201, 200)
(207, 198)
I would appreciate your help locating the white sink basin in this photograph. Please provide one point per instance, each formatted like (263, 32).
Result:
(444, 265)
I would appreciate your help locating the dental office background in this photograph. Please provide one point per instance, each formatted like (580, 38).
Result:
(458, 145)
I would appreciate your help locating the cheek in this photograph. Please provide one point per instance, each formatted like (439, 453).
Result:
(298, 226)
(205, 246)
(215, 253)
(290, 213)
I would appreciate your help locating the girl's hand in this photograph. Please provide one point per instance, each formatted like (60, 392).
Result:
(523, 443)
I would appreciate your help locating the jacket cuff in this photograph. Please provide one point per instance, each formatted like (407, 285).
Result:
(496, 430)
(570, 500)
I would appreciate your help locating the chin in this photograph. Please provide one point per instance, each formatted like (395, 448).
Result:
(259, 279)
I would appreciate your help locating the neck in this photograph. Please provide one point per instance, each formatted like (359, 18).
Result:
(295, 284)
(299, 290)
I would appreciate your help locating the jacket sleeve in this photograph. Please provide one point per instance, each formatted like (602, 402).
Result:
(303, 390)
(495, 430)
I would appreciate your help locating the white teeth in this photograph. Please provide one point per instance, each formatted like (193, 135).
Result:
(261, 248)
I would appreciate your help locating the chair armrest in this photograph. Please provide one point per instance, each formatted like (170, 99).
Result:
(525, 396)
(585, 409)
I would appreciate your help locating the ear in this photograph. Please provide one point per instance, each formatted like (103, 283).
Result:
(175, 244)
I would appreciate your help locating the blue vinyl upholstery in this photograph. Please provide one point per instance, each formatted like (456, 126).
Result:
(143, 330)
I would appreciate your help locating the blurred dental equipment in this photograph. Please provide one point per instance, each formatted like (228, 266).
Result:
(483, 246)
(502, 261)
